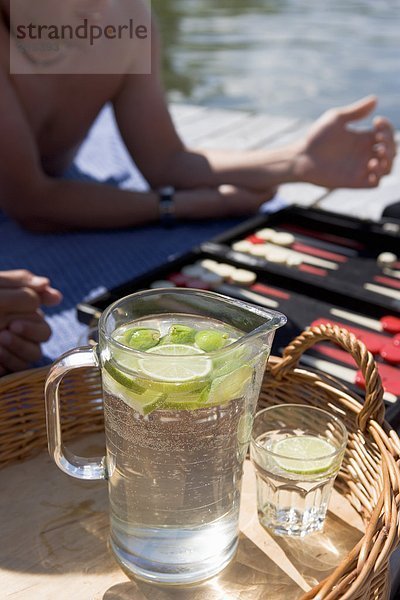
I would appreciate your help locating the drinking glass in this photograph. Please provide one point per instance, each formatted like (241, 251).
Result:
(177, 420)
(297, 451)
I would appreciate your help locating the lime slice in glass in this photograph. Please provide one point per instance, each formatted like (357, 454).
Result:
(304, 454)
(175, 363)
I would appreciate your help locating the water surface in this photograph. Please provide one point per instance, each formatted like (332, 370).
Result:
(286, 57)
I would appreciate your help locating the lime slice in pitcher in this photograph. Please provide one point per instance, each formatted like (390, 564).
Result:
(123, 379)
(230, 386)
(142, 400)
(304, 454)
(175, 363)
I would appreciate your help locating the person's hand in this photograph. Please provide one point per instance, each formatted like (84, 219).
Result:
(21, 283)
(22, 324)
(224, 201)
(335, 155)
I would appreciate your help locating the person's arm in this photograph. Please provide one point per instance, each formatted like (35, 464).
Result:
(331, 155)
(42, 203)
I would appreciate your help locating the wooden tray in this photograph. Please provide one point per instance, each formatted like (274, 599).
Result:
(54, 534)
(54, 543)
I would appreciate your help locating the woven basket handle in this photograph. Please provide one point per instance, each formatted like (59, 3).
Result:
(373, 407)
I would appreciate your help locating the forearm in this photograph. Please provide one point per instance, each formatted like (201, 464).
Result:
(62, 205)
(254, 169)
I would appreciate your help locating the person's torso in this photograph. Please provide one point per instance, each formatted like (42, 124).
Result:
(59, 108)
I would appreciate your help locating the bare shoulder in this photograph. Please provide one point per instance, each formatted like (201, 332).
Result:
(136, 35)
(134, 8)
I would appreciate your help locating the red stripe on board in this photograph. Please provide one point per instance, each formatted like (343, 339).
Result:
(269, 291)
(327, 237)
(373, 341)
(393, 283)
(318, 252)
(389, 374)
(313, 270)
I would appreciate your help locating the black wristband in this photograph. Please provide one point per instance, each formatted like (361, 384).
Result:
(167, 205)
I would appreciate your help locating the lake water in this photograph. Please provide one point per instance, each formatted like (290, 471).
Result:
(285, 57)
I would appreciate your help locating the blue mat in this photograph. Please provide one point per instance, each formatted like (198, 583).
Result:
(84, 264)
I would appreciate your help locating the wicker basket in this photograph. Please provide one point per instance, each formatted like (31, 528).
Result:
(369, 477)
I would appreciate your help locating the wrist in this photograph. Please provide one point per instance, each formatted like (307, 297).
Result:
(196, 204)
(166, 205)
(295, 166)
(278, 166)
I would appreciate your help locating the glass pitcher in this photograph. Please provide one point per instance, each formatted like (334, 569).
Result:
(181, 372)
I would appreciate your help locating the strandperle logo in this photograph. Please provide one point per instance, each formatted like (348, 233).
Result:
(80, 37)
(85, 31)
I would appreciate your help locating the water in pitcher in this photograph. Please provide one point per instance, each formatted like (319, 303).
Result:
(178, 419)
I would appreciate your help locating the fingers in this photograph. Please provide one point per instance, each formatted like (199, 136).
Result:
(8, 318)
(16, 354)
(20, 338)
(21, 278)
(357, 110)
(30, 330)
(17, 278)
(384, 151)
(50, 296)
(22, 325)
(385, 145)
(373, 172)
(381, 124)
(22, 299)
(24, 350)
(9, 363)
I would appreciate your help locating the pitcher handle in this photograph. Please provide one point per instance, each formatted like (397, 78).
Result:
(76, 466)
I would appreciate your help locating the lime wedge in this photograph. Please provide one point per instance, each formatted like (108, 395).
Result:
(124, 379)
(231, 360)
(166, 364)
(229, 386)
(244, 428)
(144, 402)
(185, 402)
(304, 454)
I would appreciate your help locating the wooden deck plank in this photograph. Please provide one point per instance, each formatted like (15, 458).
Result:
(208, 124)
(186, 112)
(256, 131)
(303, 194)
(250, 130)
